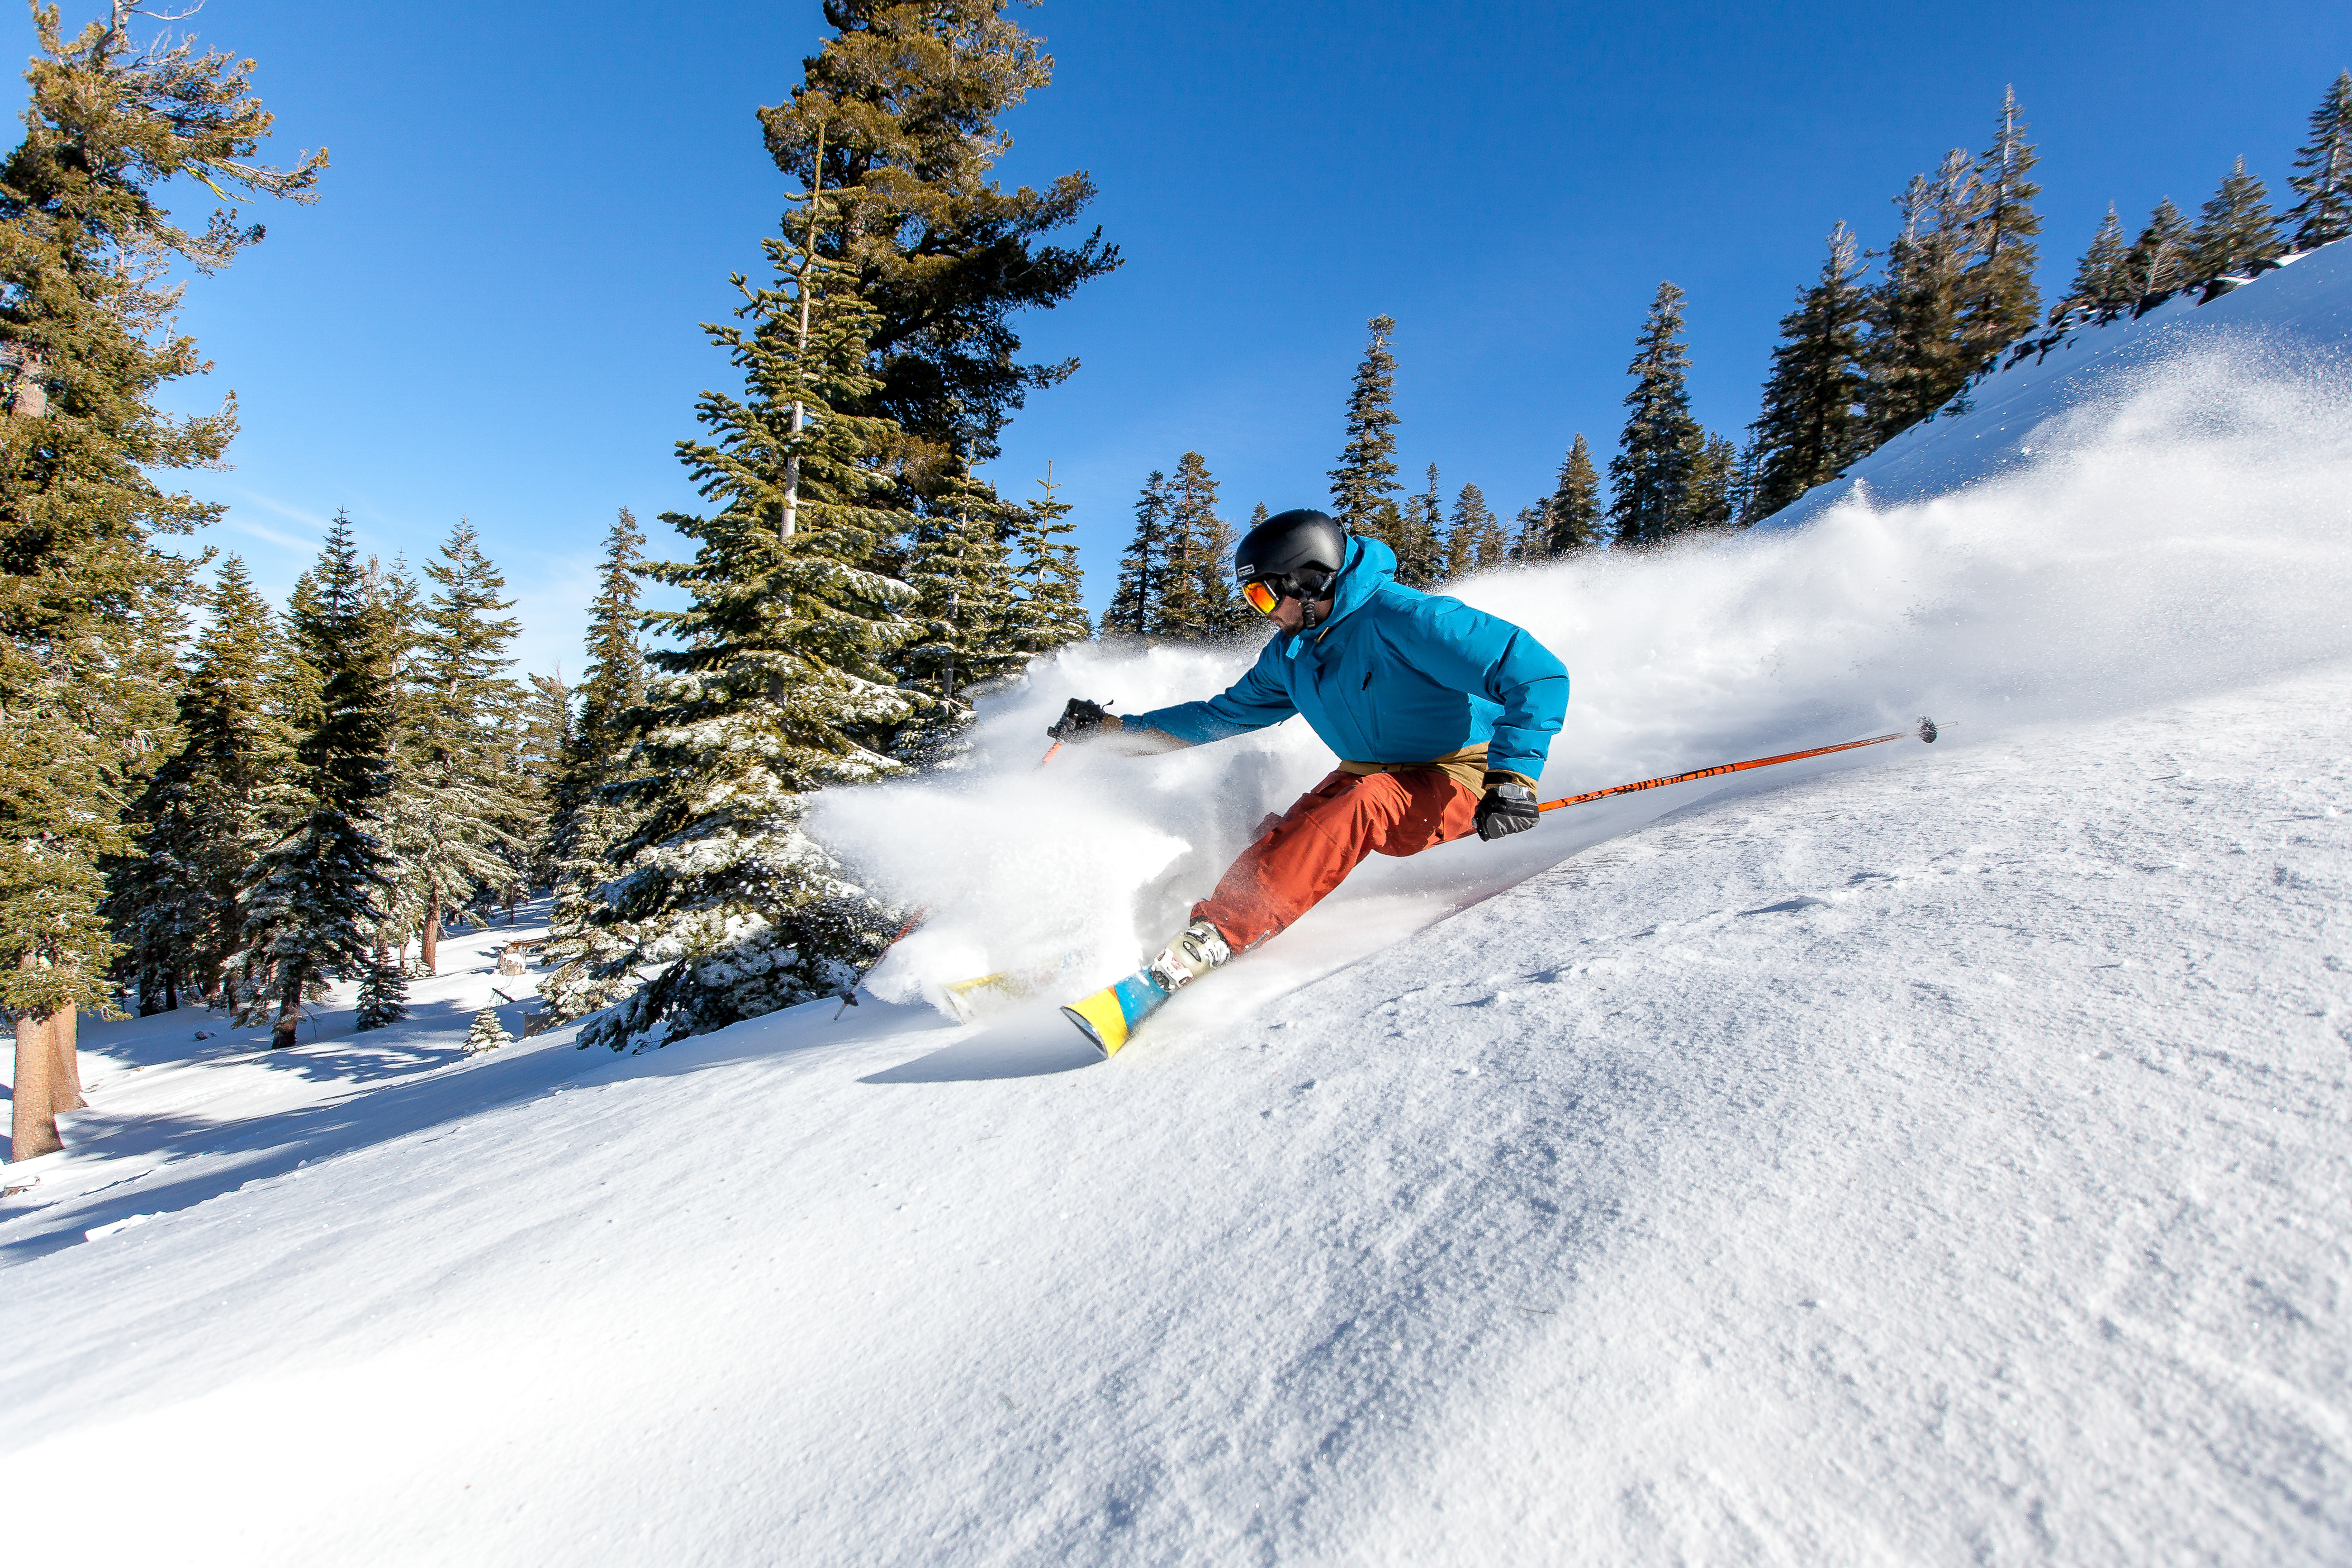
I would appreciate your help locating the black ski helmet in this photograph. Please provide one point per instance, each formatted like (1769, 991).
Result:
(1289, 543)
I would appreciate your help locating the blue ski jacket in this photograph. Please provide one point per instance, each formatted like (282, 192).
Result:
(1393, 675)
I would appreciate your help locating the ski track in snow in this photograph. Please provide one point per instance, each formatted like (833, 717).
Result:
(1935, 1154)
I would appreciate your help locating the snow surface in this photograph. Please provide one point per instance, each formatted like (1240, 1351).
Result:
(1935, 1154)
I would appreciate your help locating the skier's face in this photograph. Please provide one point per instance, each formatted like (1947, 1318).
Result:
(1291, 616)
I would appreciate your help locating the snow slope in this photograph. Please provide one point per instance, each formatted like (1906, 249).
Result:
(1937, 1157)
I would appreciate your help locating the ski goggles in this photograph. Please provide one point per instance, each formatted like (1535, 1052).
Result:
(1263, 593)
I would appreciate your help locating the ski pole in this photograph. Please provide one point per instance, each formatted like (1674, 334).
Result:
(1924, 730)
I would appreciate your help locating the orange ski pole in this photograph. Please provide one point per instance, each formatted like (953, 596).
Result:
(1924, 730)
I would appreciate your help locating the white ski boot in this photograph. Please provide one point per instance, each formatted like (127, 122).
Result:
(1198, 948)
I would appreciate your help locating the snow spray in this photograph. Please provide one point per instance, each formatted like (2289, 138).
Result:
(2181, 531)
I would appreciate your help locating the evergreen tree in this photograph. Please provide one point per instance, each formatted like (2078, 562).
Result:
(1651, 472)
(543, 760)
(1744, 476)
(1367, 474)
(1475, 541)
(2159, 262)
(384, 992)
(775, 684)
(2102, 278)
(309, 896)
(1134, 607)
(1919, 354)
(488, 1033)
(1814, 400)
(1185, 564)
(1706, 498)
(590, 958)
(1531, 532)
(612, 685)
(897, 115)
(454, 819)
(1999, 302)
(1420, 537)
(208, 810)
(963, 597)
(1572, 516)
(85, 595)
(1223, 611)
(1050, 610)
(2237, 234)
(2325, 184)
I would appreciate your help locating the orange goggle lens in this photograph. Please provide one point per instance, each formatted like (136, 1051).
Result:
(1261, 596)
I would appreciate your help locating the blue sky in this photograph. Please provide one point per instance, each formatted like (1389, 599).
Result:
(493, 309)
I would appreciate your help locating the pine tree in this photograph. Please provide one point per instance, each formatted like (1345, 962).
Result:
(776, 682)
(612, 685)
(309, 898)
(590, 958)
(1744, 476)
(488, 1033)
(2237, 234)
(2102, 278)
(1474, 542)
(963, 597)
(1420, 537)
(1999, 302)
(2324, 213)
(1185, 565)
(453, 819)
(2159, 262)
(1134, 607)
(1814, 400)
(1367, 474)
(542, 760)
(1223, 611)
(1531, 532)
(1918, 356)
(1652, 469)
(384, 992)
(1572, 516)
(208, 810)
(86, 345)
(1050, 610)
(898, 116)
(1706, 498)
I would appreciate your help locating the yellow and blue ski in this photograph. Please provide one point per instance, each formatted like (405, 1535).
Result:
(1112, 1014)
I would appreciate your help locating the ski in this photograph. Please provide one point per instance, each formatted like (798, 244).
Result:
(1113, 1014)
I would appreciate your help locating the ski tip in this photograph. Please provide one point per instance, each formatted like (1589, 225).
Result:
(1093, 1035)
(1928, 729)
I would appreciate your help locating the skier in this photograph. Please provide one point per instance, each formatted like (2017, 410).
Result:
(1442, 713)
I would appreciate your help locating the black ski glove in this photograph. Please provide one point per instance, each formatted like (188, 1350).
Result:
(1083, 720)
(1506, 808)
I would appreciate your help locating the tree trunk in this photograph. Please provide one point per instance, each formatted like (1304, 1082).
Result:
(283, 1033)
(64, 1039)
(429, 943)
(170, 991)
(149, 1003)
(35, 1130)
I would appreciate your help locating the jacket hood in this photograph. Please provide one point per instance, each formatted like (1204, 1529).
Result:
(1372, 566)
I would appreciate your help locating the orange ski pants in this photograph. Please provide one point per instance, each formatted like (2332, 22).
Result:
(1325, 834)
